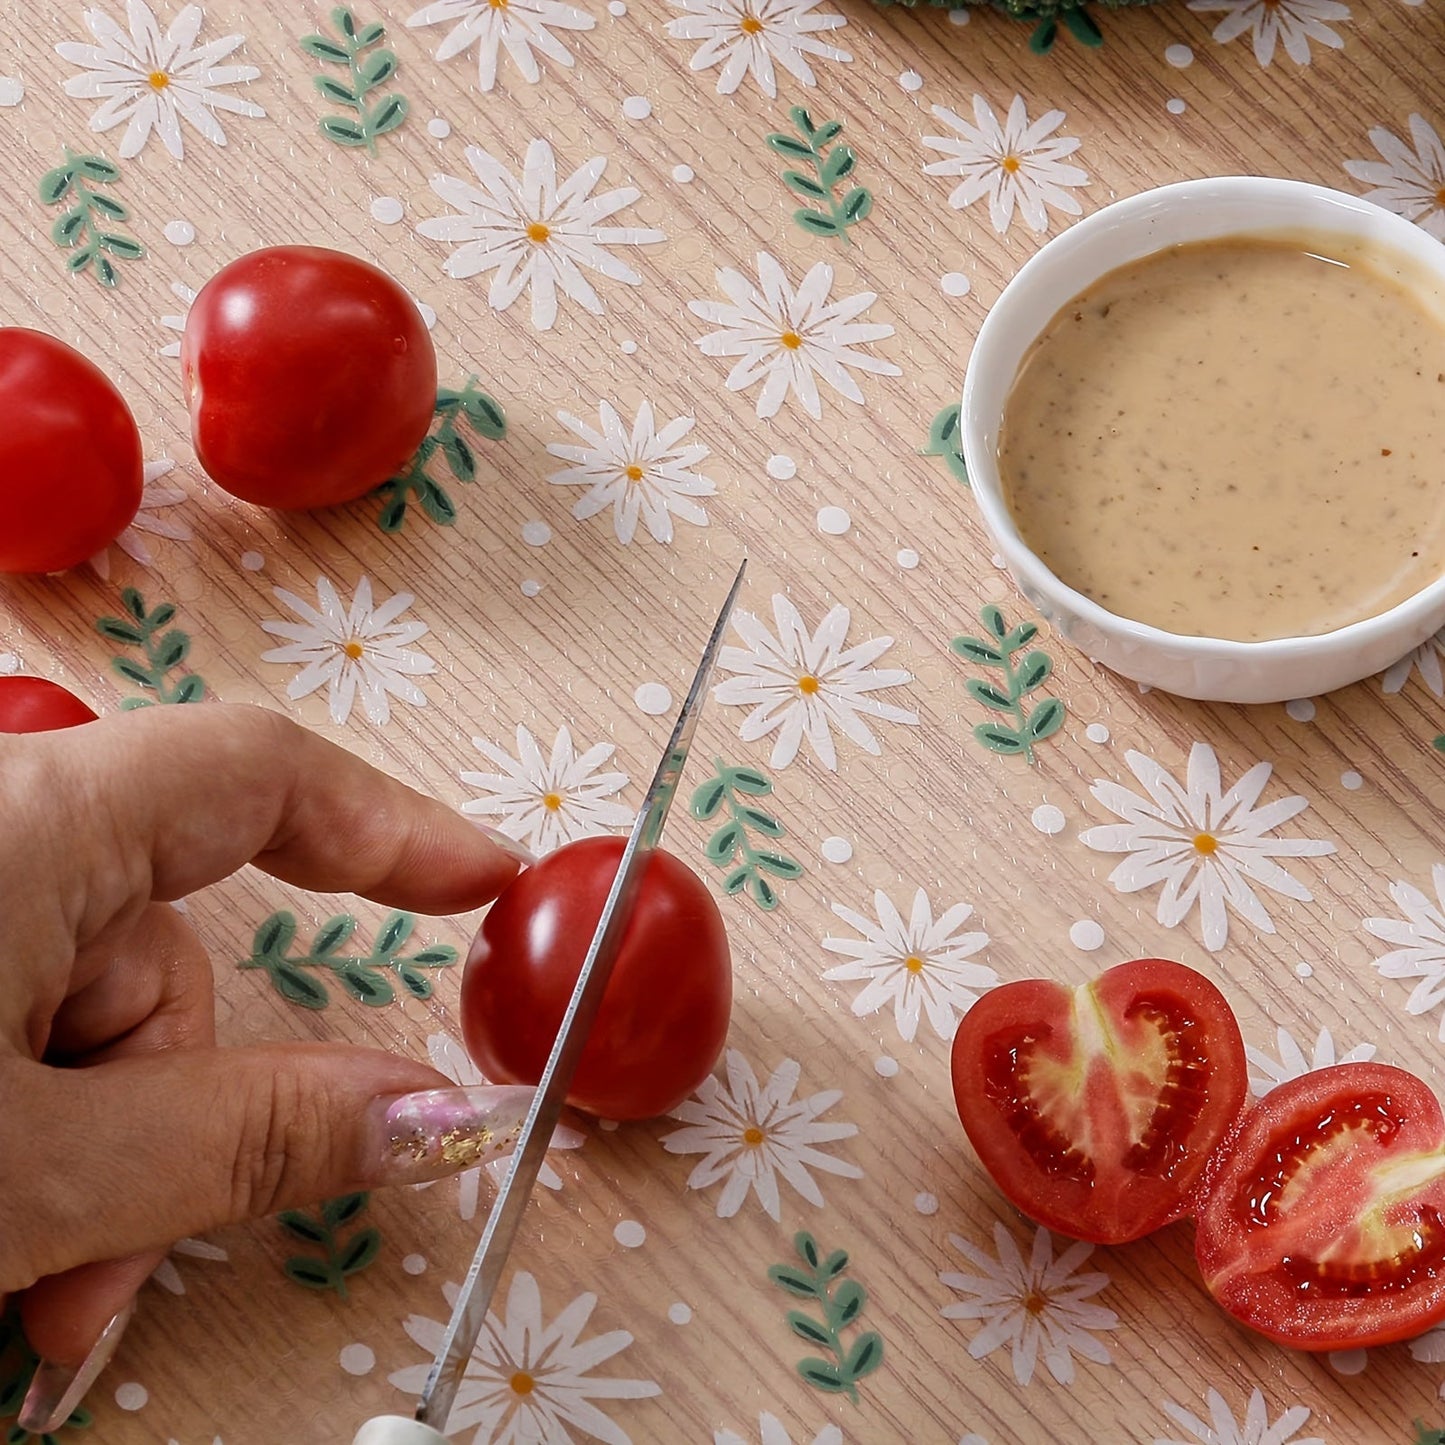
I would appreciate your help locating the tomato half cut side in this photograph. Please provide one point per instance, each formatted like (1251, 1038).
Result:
(1096, 1108)
(1324, 1222)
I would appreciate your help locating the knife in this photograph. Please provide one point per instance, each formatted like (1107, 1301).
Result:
(469, 1314)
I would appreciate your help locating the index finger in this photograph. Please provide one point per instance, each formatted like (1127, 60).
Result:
(156, 803)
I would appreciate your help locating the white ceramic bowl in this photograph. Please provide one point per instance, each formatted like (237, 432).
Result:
(1199, 667)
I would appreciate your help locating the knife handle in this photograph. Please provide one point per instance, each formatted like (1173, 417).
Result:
(397, 1430)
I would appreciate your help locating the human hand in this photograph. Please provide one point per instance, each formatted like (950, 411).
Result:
(125, 1128)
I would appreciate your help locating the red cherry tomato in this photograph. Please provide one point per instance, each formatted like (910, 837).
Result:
(310, 377)
(37, 705)
(664, 1016)
(1096, 1108)
(71, 472)
(1324, 1223)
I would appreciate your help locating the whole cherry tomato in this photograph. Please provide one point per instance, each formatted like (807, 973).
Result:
(1323, 1225)
(1096, 1108)
(71, 472)
(310, 377)
(37, 705)
(664, 1017)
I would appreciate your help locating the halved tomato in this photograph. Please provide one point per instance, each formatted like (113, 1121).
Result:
(1323, 1226)
(1096, 1108)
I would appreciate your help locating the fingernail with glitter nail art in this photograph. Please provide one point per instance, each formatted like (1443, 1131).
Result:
(509, 845)
(56, 1390)
(441, 1131)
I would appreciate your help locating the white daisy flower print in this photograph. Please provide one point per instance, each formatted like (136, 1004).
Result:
(358, 652)
(521, 28)
(1429, 1348)
(156, 498)
(151, 81)
(1205, 845)
(1410, 182)
(1017, 165)
(754, 36)
(1293, 23)
(1255, 1429)
(530, 1382)
(534, 233)
(451, 1058)
(787, 339)
(1419, 939)
(921, 966)
(1039, 1307)
(177, 322)
(772, 1431)
(545, 802)
(641, 473)
(1266, 1073)
(749, 1134)
(169, 1277)
(803, 685)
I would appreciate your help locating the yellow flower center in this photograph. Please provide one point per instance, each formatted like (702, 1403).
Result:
(808, 684)
(1010, 163)
(552, 802)
(753, 1136)
(1440, 197)
(522, 1383)
(791, 340)
(1206, 844)
(750, 25)
(913, 963)
(538, 232)
(1036, 1303)
(354, 650)
(633, 473)
(158, 80)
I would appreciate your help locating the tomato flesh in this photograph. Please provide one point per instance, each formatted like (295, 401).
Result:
(1096, 1108)
(309, 374)
(1324, 1223)
(37, 705)
(71, 472)
(664, 1017)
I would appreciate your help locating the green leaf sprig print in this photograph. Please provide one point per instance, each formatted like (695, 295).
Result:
(749, 867)
(340, 1258)
(163, 650)
(367, 73)
(362, 975)
(88, 227)
(998, 649)
(485, 417)
(817, 146)
(945, 439)
(842, 1301)
(17, 1367)
(1425, 1435)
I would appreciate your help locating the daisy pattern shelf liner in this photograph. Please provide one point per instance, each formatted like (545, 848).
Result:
(650, 366)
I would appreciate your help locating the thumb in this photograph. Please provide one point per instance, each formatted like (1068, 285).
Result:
(143, 1151)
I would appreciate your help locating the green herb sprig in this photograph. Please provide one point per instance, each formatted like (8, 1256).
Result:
(1019, 680)
(341, 1258)
(730, 846)
(362, 975)
(163, 648)
(367, 73)
(88, 228)
(826, 212)
(486, 418)
(842, 1302)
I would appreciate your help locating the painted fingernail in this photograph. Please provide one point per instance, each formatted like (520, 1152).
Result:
(56, 1390)
(442, 1131)
(513, 847)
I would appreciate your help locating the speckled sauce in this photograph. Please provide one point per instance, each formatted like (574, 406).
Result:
(1240, 439)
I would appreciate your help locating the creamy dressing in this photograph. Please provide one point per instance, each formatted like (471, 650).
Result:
(1237, 439)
